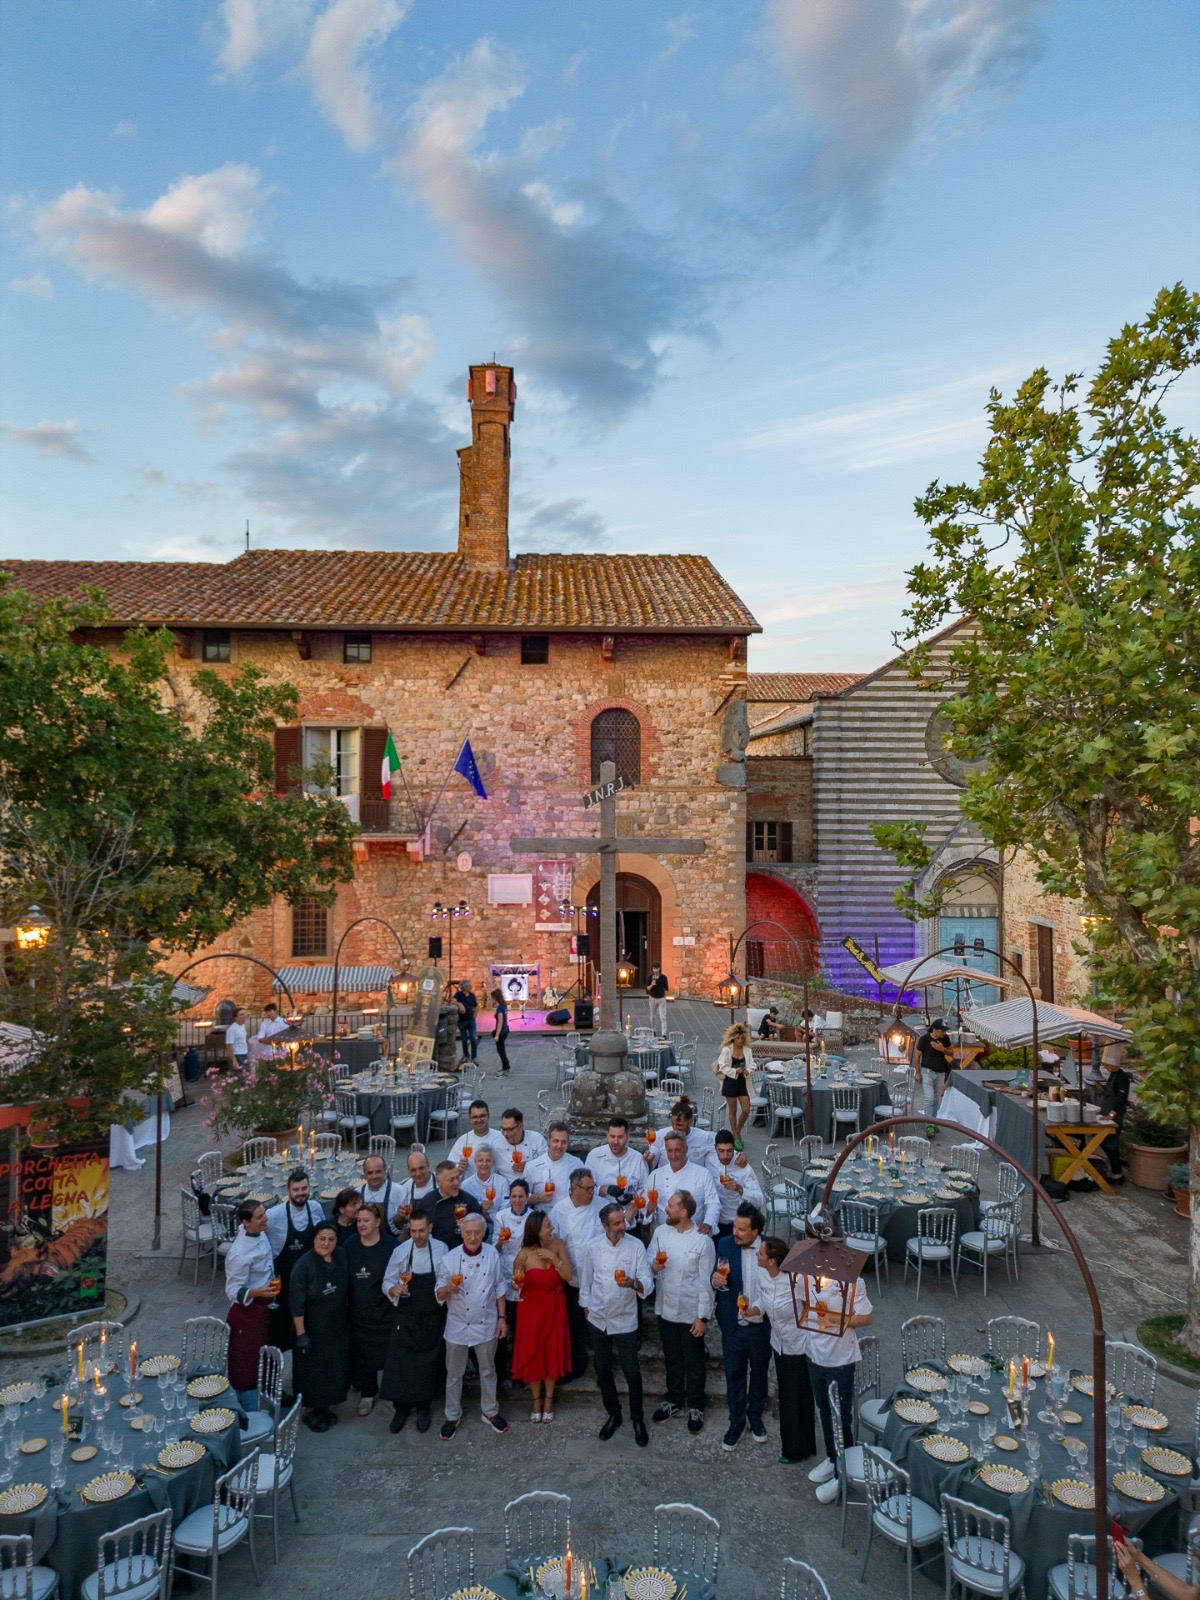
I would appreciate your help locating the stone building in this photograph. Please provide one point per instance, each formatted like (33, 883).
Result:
(548, 664)
(827, 759)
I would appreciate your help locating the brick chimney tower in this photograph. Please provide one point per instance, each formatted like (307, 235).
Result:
(483, 470)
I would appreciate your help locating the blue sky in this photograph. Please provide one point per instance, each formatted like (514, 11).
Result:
(756, 263)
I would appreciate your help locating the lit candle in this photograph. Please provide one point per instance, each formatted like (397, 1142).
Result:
(1012, 1378)
(104, 1348)
(1049, 1352)
(133, 1363)
(96, 1379)
(567, 1571)
(81, 1363)
(66, 1420)
(1024, 1372)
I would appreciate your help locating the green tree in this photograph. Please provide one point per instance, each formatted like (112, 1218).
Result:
(1076, 556)
(140, 814)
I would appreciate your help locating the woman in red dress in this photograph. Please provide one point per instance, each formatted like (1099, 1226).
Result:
(542, 1349)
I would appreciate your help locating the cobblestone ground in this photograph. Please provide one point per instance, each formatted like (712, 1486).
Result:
(366, 1495)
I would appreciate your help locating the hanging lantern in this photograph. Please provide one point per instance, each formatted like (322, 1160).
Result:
(33, 930)
(731, 990)
(818, 1262)
(626, 974)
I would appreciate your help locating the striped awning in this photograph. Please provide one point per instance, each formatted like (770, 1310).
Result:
(1010, 1023)
(319, 980)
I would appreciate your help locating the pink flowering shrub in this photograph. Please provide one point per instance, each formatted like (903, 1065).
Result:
(269, 1093)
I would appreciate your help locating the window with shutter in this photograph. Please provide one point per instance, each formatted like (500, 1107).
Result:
(287, 757)
(374, 810)
(785, 841)
(617, 737)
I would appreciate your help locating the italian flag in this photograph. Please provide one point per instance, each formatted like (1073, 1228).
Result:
(390, 767)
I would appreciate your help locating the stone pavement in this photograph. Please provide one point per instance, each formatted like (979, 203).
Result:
(366, 1495)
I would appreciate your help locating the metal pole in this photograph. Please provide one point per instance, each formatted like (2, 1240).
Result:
(158, 1169)
(1099, 1338)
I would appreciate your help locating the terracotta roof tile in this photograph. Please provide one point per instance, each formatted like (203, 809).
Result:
(796, 687)
(406, 589)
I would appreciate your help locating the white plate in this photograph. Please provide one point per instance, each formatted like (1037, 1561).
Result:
(1005, 1480)
(918, 1412)
(108, 1486)
(1072, 1492)
(924, 1380)
(944, 1448)
(649, 1583)
(1147, 1417)
(18, 1393)
(970, 1366)
(1137, 1486)
(156, 1366)
(206, 1388)
(182, 1454)
(22, 1498)
(214, 1420)
(1172, 1463)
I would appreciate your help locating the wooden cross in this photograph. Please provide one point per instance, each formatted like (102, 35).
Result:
(607, 846)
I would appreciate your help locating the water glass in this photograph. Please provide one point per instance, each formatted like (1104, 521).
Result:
(7, 1467)
(1139, 1438)
(160, 1423)
(1033, 1449)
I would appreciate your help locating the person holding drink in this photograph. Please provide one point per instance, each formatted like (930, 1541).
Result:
(794, 1402)
(683, 1259)
(484, 1182)
(470, 1284)
(577, 1222)
(446, 1205)
(620, 1171)
(616, 1274)
(251, 1284)
(508, 1234)
(480, 1132)
(550, 1173)
(413, 1367)
(735, 1178)
(745, 1335)
(290, 1228)
(542, 1344)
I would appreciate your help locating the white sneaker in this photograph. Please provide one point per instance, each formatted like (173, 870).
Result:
(366, 1406)
(828, 1492)
(823, 1472)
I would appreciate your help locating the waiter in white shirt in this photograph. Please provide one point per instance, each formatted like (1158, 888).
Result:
(678, 1171)
(249, 1283)
(271, 1024)
(576, 1221)
(794, 1399)
(682, 1258)
(237, 1046)
(413, 1368)
(616, 1273)
(619, 1171)
(683, 1120)
(378, 1187)
(470, 1284)
(550, 1174)
(480, 1130)
(291, 1226)
(735, 1180)
(517, 1146)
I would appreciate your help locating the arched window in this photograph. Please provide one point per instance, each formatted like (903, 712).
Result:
(617, 737)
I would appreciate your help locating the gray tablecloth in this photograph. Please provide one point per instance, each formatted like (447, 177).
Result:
(897, 1223)
(1014, 1117)
(870, 1094)
(357, 1054)
(1040, 1526)
(376, 1107)
(66, 1530)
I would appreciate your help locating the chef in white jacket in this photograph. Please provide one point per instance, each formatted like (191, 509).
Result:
(682, 1259)
(470, 1284)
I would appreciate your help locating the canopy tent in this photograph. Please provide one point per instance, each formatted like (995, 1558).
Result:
(1009, 1023)
(319, 980)
(935, 971)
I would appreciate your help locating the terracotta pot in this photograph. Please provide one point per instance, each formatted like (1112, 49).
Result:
(1183, 1202)
(788, 1034)
(1148, 1164)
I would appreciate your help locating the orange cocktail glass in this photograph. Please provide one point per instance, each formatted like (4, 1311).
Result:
(650, 1135)
(489, 1193)
(619, 1275)
(505, 1235)
(639, 1202)
(519, 1276)
(723, 1267)
(549, 1189)
(661, 1257)
(652, 1196)
(622, 1180)
(742, 1302)
(459, 1213)
(467, 1149)
(456, 1279)
(518, 1160)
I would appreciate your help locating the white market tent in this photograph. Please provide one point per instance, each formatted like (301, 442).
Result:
(1009, 1023)
(935, 971)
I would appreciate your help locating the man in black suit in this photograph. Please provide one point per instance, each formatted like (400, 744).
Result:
(745, 1331)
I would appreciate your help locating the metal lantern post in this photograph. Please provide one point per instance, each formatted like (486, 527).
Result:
(337, 959)
(450, 915)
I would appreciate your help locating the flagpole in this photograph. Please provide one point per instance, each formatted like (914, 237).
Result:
(449, 775)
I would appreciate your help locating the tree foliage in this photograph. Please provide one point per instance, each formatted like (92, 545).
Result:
(140, 814)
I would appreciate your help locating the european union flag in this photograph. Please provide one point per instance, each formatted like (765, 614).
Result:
(466, 765)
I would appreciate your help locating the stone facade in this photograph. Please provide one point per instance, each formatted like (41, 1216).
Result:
(1028, 908)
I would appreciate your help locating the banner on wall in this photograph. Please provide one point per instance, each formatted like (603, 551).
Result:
(53, 1232)
(553, 885)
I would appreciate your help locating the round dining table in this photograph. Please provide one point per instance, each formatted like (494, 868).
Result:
(66, 1527)
(267, 1180)
(1040, 1524)
(871, 1092)
(375, 1088)
(901, 1193)
(519, 1578)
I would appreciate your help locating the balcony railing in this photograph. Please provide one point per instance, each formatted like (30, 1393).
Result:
(395, 816)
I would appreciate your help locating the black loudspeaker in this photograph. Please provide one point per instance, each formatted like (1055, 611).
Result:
(435, 947)
(583, 945)
(558, 1019)
(585, 1014)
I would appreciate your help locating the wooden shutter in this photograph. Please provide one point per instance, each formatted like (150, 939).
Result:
(372, 746)
(749, 841)
(785, 841)
(288, 754)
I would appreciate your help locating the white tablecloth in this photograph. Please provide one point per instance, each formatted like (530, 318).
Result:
(124, 1143)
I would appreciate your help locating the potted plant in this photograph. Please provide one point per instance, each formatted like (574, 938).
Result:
(1152, 1148)
(270, 1093)
(1179, 1181)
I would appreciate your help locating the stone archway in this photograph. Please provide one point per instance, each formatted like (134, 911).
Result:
(639, 922)
(768, 954)
(650, 871)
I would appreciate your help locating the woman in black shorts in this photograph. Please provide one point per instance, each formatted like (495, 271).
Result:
(733, 1068)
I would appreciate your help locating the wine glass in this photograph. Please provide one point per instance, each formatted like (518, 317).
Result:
(1033, 1449)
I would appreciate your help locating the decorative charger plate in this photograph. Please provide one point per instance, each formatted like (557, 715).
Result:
(108, 1486)
(918, 1411)
(1147, 1417)
(18, 1393)
(969, 1366)
(1072, 1417)
(142, 1424)
(873, 1194)
(260, 1194)
(547, 1572)
(214, 1420)
(1171, 1462)
(1086, 1384)
(978, 1408)
(155, 1366)
(924, 1380)
(22, 1497)
(909, 1198)
(182, 1454)
(1005, 1480)
(1074, 1493)
(85, 1452)
(330, 1194)
(477, 1591)
(205, 1388)
(947, 1194)
(1137, 1486)
(1005, 1441)
(944, 1448)
(649, 1583)
(31, 1446)
(133, 1399)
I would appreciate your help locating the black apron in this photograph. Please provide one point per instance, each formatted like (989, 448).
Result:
(412, 1373)
(371, 1312)
(322, 1375)
(295, 1244)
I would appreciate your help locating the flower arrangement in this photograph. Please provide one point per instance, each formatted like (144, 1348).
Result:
(271, 1093)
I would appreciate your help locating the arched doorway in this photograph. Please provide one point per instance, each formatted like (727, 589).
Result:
(968, 925)
(639, 924)
(768, 953)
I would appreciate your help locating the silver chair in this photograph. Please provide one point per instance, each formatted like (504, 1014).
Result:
(88, 1334)
(326, 1145)
(675, 1036)
(261, 1149)
(214, 1530)
(786, 1110)
(1010, 1338)
(444, 1117)
(440, 1563)
(914, 1147)
(205, 1345)
(19, 1578)
(935, 1243)
(859, 1222)
(869, 1404)
(134, 1562)
(811, 1148)
(922, 1339)
(774, 1186)
(211, 1167)
(706, 1102)
(1182, 1564)
(223, 1217)
(801, 1582)
(672, 1087)
(353, 1126)
(1009, 1185)
(197, 1235)
(403, 1117)
(383, 1144)
(1075, 1578)
(897, 1514)
(979, 1558)
(687, 1539)
(759, 1100)
(536, 1525)
(795, 1205)
(965, 1158)
(992, 1238)
(275, 1472)
(850, 1469)
(900, 1096)
(1133, 1370)
(260, 1424)
(846, 1107)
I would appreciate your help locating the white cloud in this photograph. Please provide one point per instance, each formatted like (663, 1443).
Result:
(256, 28)
(37, 284)
(341, 35)
(49, 439)
(834, 599)
(558, 525)
(124, 129)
